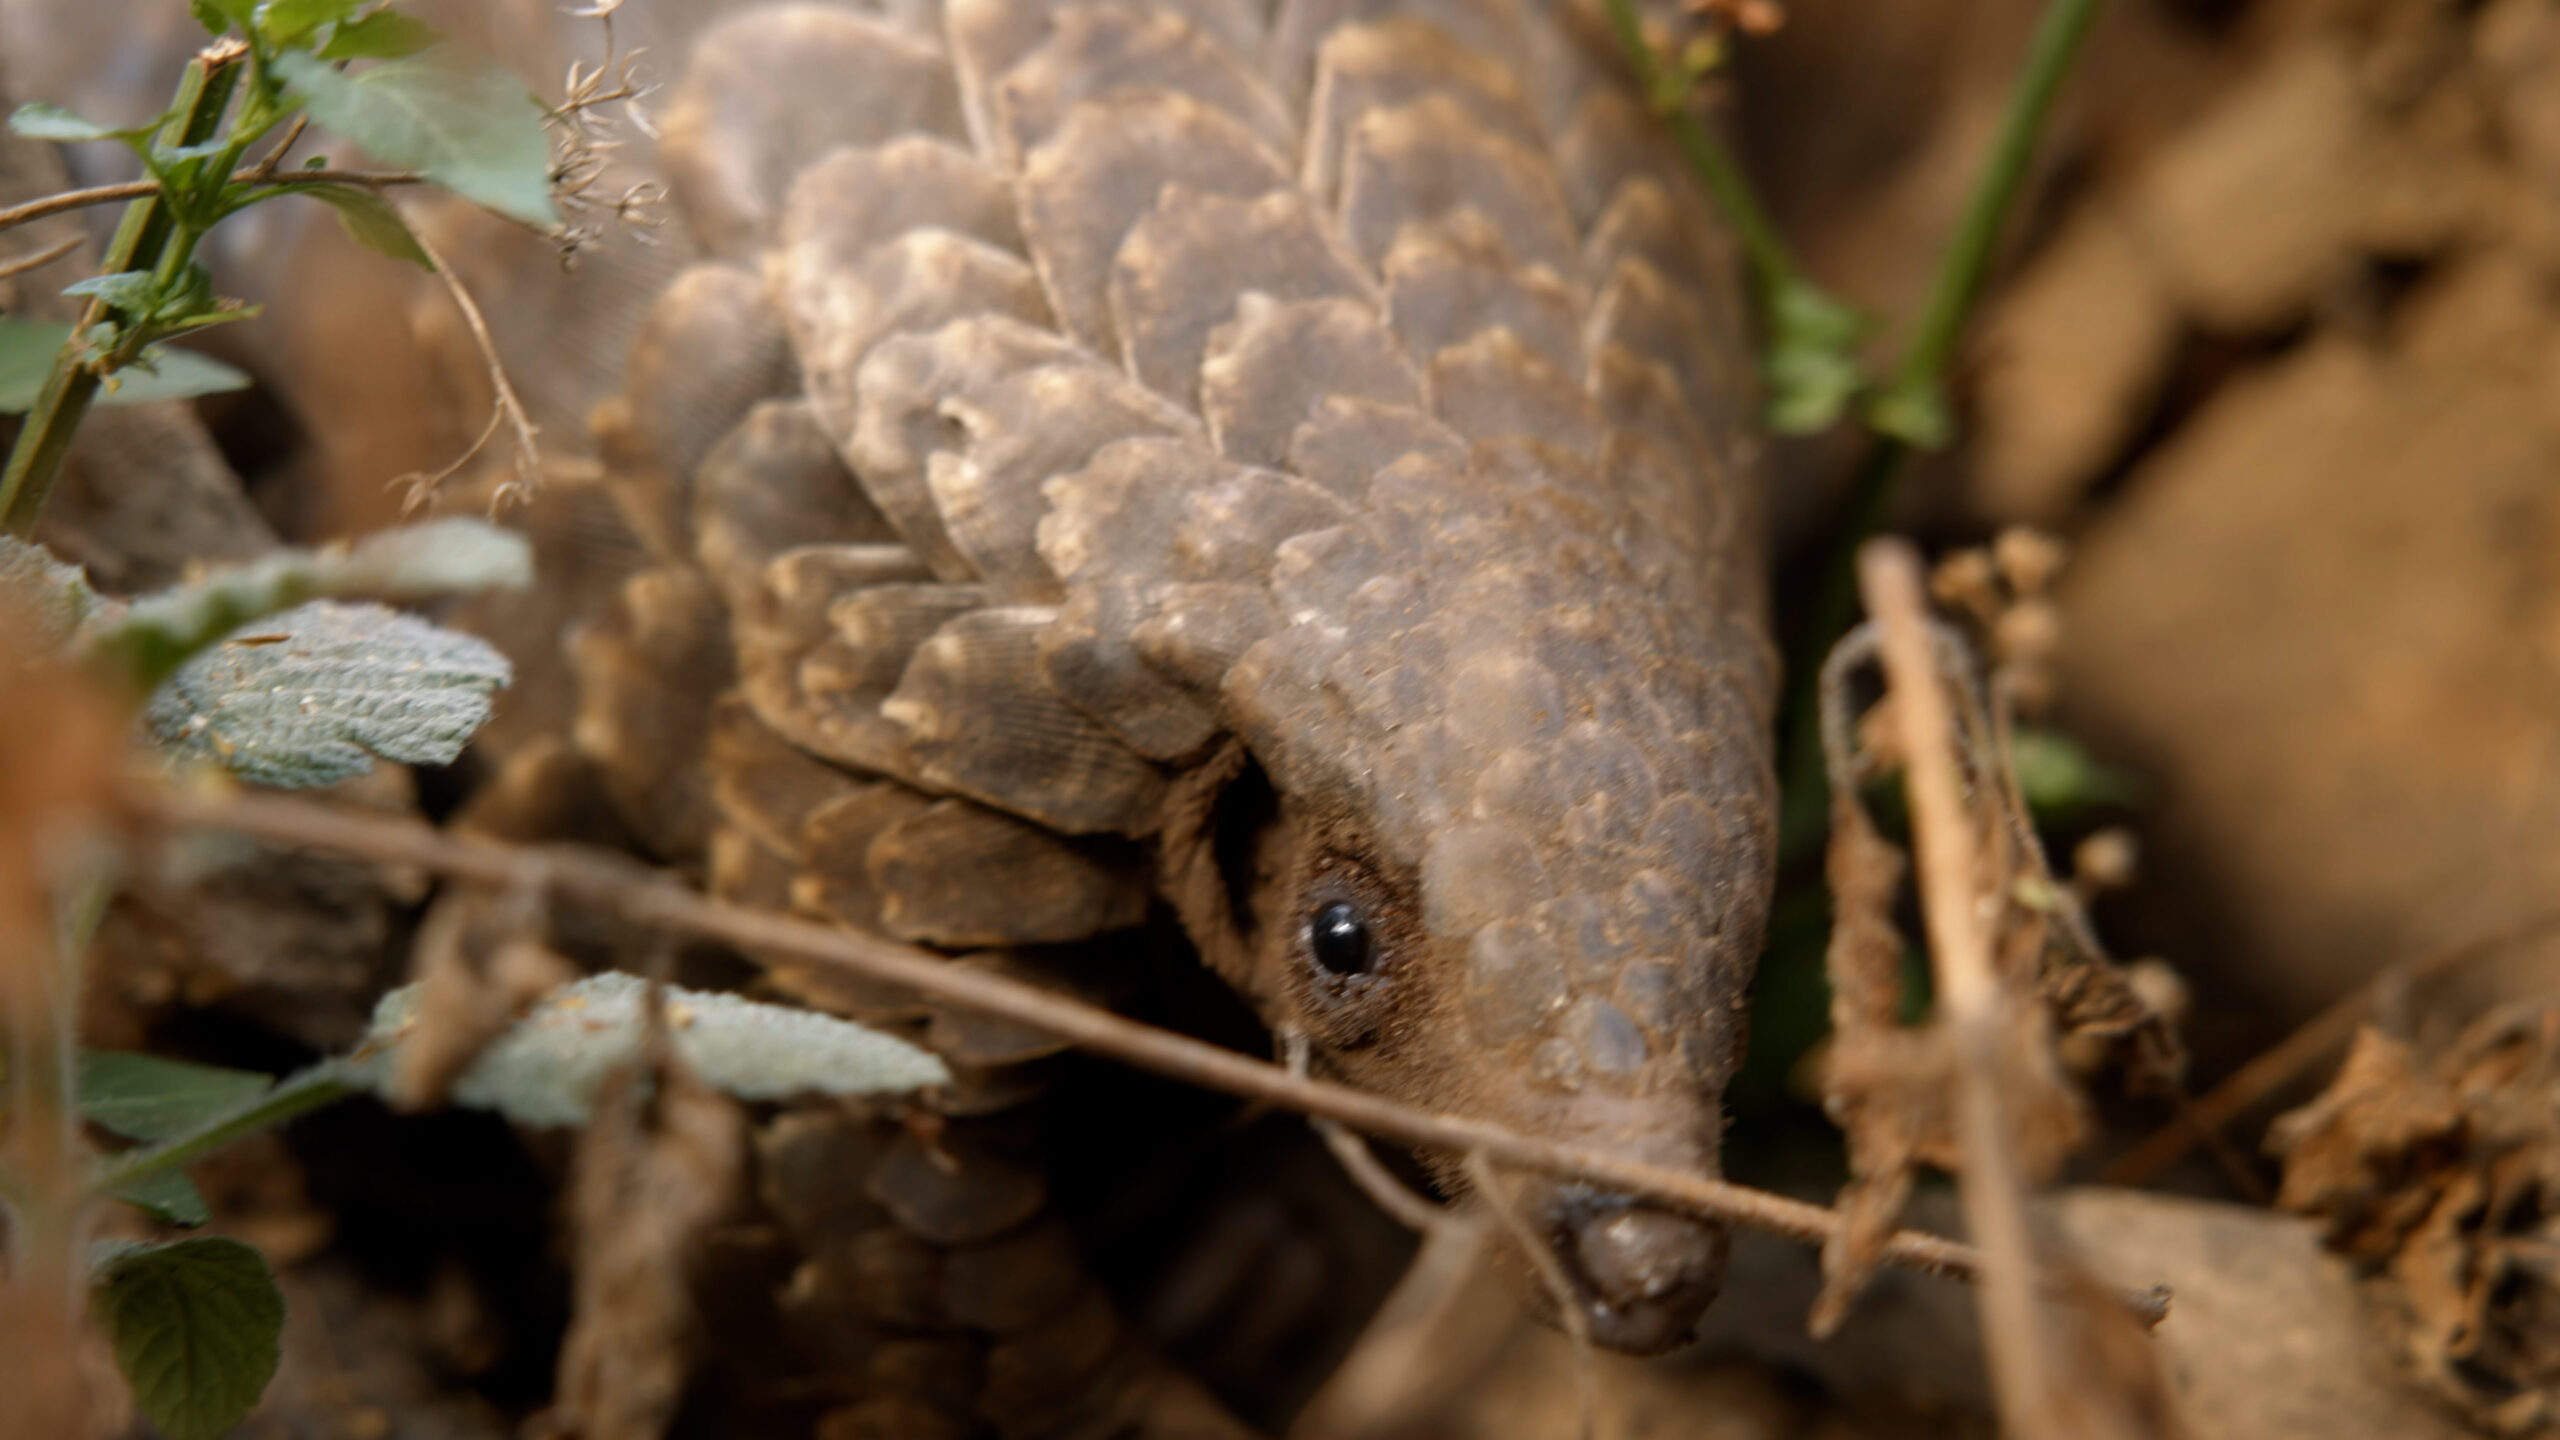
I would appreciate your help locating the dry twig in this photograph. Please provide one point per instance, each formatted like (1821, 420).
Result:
(2048, 1357)
(10, 269)
(1972, 1005)
(505, 408)
(624, 888)
(2325, 1034)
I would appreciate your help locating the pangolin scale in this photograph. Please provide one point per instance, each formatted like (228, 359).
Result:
(1284, 465)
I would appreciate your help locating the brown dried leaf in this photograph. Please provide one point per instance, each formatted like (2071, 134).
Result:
(2442, 1174)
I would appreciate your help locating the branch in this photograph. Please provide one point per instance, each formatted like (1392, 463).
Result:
(1975, 1009)
(37, 260)
(613, 883)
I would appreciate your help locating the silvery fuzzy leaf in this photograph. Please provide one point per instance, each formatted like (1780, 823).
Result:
(312, 696)
(547, 1068)
(58, 594)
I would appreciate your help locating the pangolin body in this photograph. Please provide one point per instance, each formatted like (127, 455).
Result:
(1287, 463)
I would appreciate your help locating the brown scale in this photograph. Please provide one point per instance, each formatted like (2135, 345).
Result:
(1286, 466)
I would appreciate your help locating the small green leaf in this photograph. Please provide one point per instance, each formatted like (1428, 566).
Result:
(1811, 363)
(382, 35)
(146, 1097)
(57, 594)
(371, 222)
(196, 1326)
(2058, 779)
(459, 119)
(127, 290)
(1914, 413)
(40, 121)
(547, 1068)
(168, 1196)
(27, 351)
(217, 16)
(286, 22)
(311, 696)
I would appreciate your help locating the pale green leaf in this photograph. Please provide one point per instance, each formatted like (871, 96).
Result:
(547, 1068)
(26, 355)
(146, 1097)
(287, 21)
(168, 1196)
(58, 595)
(382, 35)
(371, 222)
(40, 121)
(459, 119)
(195, 1325)
(313, 695)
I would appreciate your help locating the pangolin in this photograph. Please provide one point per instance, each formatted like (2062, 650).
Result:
(1288, 466)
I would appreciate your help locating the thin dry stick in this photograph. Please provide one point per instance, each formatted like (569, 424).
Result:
(1890, 579)
(68, 200)
(612, 883)
(9, 269)
(507, 407)
(2323, 1035)
(292, 137)
(1413, 1211)
(1543, 1259)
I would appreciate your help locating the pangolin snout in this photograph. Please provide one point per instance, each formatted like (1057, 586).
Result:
(1642, 1276)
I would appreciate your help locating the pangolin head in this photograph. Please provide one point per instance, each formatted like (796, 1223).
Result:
(1497, 840)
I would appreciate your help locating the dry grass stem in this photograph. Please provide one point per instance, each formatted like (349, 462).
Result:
(506, 410)
(10, 269)
(622, 887)
(1972, 1005)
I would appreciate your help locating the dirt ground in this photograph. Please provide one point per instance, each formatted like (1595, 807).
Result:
(2272, 347)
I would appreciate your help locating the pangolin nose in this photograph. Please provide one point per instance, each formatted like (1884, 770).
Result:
(1643, 1276)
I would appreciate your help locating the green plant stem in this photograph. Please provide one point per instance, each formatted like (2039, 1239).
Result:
(1913, 404)
(1809, 335)
(1912, 412)
(296, 1094)
(141, 240)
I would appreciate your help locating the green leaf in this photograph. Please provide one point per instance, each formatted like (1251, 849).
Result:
(196, 1326)
(382, 35)
(127, 290)
(146, 1097)
(168, 1196)
(311, 696)
(286, 22)
(40, 121)
(546, 1069)
(459, 119)
(1811, 362)
(26, 356)
(1914, 413)
(371, 222)
(145, 641)
(57, 594)
(217, 16)
(2058, 779)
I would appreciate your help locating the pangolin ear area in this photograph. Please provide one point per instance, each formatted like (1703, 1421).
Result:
(1215, 839)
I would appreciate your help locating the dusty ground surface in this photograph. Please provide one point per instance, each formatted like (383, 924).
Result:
(2274, 347)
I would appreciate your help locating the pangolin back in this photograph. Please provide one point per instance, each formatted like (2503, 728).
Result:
(1293, 467)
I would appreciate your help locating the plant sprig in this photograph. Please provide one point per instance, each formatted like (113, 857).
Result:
(433, 112)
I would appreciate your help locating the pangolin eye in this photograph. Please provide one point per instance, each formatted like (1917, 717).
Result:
(1338, 936)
